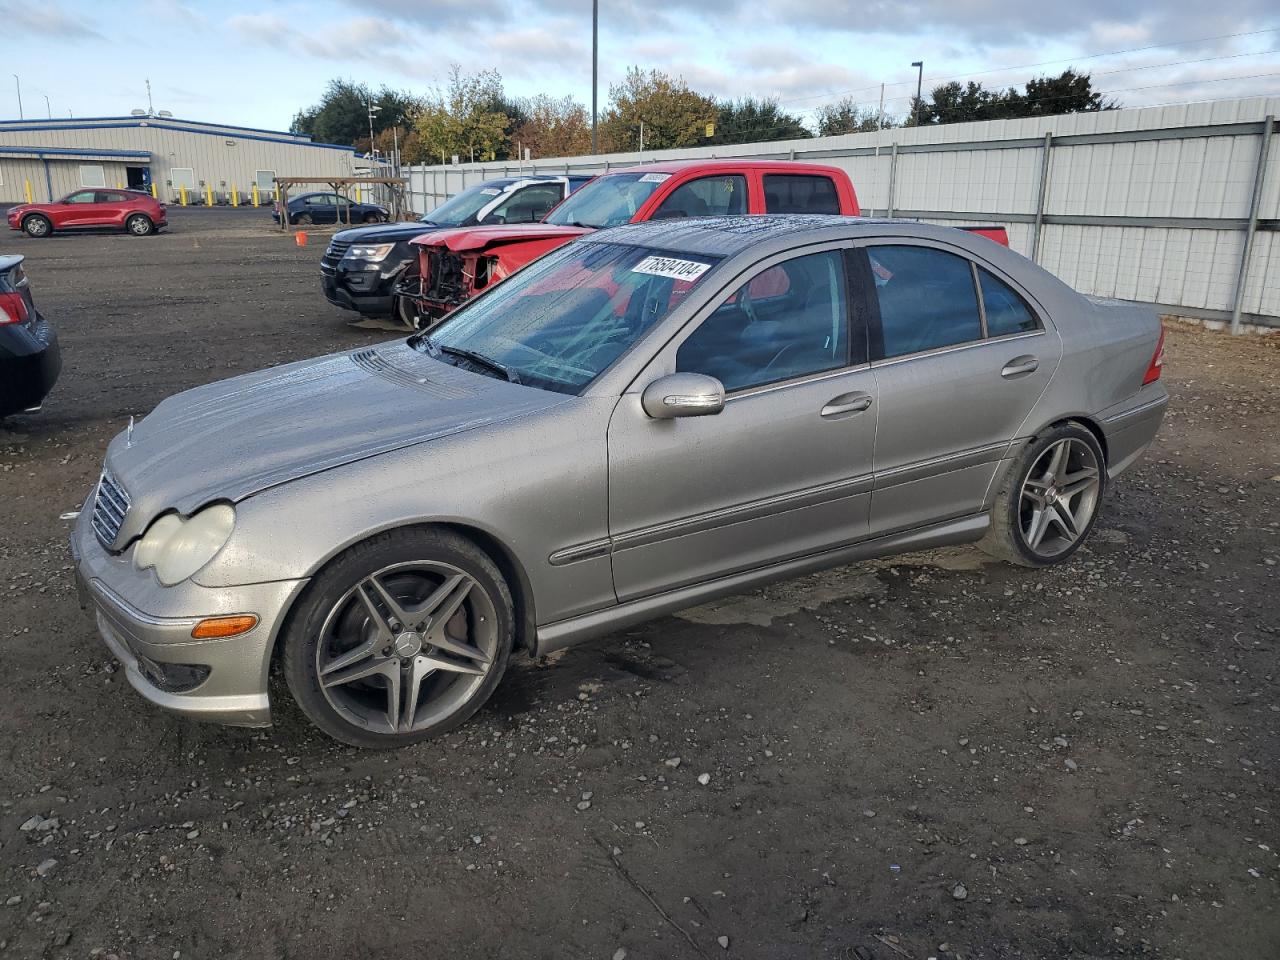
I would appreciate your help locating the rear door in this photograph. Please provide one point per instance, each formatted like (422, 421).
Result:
(111, 207)
(955, 380)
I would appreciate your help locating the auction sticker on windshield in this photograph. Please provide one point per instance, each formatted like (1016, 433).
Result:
(655, 177)
(671, 267)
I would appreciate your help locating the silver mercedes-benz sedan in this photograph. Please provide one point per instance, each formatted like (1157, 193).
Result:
(643, 420)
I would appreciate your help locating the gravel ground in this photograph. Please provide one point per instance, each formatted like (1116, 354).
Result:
(938, 756)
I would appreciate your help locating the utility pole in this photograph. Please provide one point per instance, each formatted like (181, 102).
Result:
(372, 111)
(919, 65)
(151, 110)
(642, 136)
(880, 115)
(595, 72)
(18, 84)
(48, 108)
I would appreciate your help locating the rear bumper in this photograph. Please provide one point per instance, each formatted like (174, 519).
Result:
(30, 361)
(1130, 427)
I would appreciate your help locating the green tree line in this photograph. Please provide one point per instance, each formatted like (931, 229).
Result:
(473, 118)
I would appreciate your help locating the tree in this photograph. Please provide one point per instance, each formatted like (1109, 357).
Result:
(342, 115)
(673, 114)
(1044, 96)
(551, 127)
(749, 119)
(466, 119)
(846, 115)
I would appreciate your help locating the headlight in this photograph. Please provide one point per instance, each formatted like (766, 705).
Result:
(177, 548)
(375, 252)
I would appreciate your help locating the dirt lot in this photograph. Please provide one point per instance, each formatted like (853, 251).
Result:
(934, 757)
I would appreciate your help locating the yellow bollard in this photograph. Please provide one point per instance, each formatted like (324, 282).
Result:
(183, 194)
(119, 185)
(153, 191)
(276, 190)
(26, 189)
(235, 196)
(255, 195)
(359, 195)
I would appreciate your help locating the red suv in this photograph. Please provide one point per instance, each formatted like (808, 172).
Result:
(133, 211)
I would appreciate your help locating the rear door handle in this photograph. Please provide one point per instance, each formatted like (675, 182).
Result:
(846, 403)
(1019, 367)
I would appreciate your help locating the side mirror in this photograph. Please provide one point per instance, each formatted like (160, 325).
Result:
(683, 395)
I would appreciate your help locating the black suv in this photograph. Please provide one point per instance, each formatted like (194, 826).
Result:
(29, 356)
(362, 266)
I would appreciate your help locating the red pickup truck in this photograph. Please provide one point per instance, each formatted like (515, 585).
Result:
(455, 265)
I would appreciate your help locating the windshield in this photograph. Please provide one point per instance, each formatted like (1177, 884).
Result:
(607, 201)
(460, 211)
(561, 321)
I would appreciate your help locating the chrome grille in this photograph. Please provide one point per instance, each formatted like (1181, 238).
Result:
(334, 254)
(109, 509)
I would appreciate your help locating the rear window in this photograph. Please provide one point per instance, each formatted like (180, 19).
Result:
(800, 193)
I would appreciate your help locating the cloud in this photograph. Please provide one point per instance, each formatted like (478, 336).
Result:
(45, 22)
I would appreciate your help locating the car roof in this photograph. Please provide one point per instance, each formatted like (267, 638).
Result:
(508, 181)
(725, 166)
(729, 236)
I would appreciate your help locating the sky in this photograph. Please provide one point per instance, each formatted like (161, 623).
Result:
(257, 63)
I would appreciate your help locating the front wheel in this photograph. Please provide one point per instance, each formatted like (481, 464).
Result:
(37, 226)
(139, 225)
(1049, 500)
(401, 638)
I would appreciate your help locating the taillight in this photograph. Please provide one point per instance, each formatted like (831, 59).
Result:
(1157, 362)
(13, 309)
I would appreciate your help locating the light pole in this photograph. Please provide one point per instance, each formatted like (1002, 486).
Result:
(18, 84)
(595, 70)
(919, 65)
(48, 108)
(372, 111)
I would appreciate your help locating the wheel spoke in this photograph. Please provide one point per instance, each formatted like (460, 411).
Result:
(1083, 479)
(385, 633)
(357, 653)
(1058, 461)
(1034, 490)
(419, 669)
(444, 602)
(398, 613)
(1039, 525)
(457, 647)
(1066, 519)
(453, 666)
(378, 666)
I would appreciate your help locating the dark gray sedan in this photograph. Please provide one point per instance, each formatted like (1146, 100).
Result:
(645, 419)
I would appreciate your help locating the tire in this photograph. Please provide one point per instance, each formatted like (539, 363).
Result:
(341, 663)
(37, 225)
(370, 218)
(403, 311)
(1047, 506)
(303, 219)
(139, 225)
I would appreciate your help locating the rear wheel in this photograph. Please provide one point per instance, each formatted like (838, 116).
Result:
(303, 218)
(1049, 500)
(37, 225)
(140, 225)
(402, 638)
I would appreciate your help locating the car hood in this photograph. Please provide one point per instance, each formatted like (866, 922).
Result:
(231, 439)
(384, 232)
(462, 239)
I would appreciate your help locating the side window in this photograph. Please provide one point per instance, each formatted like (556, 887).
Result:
(798, 327)
(527, 205)
(706, 197)
(791, 193)
(84, 196)
(1006, 311)
(927, 299)
(103, 197)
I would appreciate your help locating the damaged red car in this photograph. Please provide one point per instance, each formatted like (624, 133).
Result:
(458, 264)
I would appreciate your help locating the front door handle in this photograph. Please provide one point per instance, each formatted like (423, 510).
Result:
(1020, 367)
(846, 403)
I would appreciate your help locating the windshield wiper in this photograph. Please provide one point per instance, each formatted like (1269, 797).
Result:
(479, 359)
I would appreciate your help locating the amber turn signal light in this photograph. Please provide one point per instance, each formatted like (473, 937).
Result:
(219, 628)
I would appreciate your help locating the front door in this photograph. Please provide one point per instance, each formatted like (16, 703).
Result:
(77, 210)
(784, 470)
(960, 358)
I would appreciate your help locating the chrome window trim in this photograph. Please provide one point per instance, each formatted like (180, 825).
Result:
(956, 347)
(808, 378)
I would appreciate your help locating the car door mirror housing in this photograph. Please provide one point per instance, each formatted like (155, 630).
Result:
(683, 395)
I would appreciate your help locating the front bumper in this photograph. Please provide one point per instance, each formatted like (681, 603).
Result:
(147, 627)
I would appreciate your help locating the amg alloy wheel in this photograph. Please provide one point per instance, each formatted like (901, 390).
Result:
(1050, 499)
(401, 638)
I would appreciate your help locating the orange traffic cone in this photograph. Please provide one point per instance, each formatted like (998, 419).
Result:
(300, 238)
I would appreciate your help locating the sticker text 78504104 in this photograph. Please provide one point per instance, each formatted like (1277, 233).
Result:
(671, 267)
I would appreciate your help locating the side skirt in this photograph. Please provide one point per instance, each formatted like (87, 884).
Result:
(566, 633)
